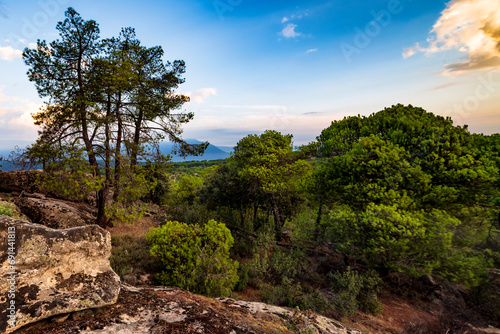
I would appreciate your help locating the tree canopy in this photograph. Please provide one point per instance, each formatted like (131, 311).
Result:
(109, 103)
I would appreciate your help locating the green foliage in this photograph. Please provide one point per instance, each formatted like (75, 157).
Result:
(287, 263)
(293, 294)
(126, 205)
(6, 210)
(69, 175)
(303, 226)
(375, 171)
(450, 169)
(486, 296)
(355, 291)
(243, 274)
(258, 265)
(195, 258)
(413, 193)
(130, 258)
(155, 174)
(287, 293)
(269, 164)
(414, 242)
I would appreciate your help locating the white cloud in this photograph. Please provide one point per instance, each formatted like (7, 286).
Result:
(285, 19)
(200, 95)
(471, 27)
(32, 45)
(289, 31)
(9, 53)
(311, 50)
(16, 122)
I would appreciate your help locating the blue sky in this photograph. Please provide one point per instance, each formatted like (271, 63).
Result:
(292, 66)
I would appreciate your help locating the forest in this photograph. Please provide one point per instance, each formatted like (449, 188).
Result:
(400, 194)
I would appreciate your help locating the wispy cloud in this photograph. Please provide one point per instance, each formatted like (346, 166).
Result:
(471, 27)
(451, 84)
(16, 122)
(311, 50)
(200, 95)
(285, 19)
(254, 107)
(4, 11)
(9, 53)
(289, 31)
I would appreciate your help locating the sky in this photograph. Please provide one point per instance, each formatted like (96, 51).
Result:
(292, 66)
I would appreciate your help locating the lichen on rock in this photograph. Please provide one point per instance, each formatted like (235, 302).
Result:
(57, 271)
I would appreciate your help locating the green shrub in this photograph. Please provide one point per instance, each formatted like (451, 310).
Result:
(258, 266)
(313, 300)
(131, 258)
(6, 210)
(155, 174)
(287, 263)
(293, 294)
(354, 291)
(243, 274)
(285, 294)
(195, 258)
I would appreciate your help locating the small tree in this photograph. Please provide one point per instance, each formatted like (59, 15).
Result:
(195, 258)
(269, 163)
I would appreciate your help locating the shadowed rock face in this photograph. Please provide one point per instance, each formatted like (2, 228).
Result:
(18, 180)
(52, 213)
(57, 271)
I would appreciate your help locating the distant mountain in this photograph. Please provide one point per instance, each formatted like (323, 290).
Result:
(227, 149)
(211, 153)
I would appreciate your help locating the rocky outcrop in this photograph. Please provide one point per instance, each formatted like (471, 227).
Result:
(18, 180)
(52, 213)
(172, 310)
(46, 272)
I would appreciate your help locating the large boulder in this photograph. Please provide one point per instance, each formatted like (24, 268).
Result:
(45, 272)
(53, 213)
(18, 180)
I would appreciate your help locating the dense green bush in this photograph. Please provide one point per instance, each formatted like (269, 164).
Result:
(355, 291)
(195, 258)
(294, 294)
(287, 262)
(155, 174)
(416, 242)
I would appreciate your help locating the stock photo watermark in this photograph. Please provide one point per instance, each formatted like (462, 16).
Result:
(488, 84)
(279, 119)
(364, 36)
(31, 25)
(224, 6)
(11, 275)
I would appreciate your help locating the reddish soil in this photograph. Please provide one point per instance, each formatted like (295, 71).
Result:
(136, 229)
